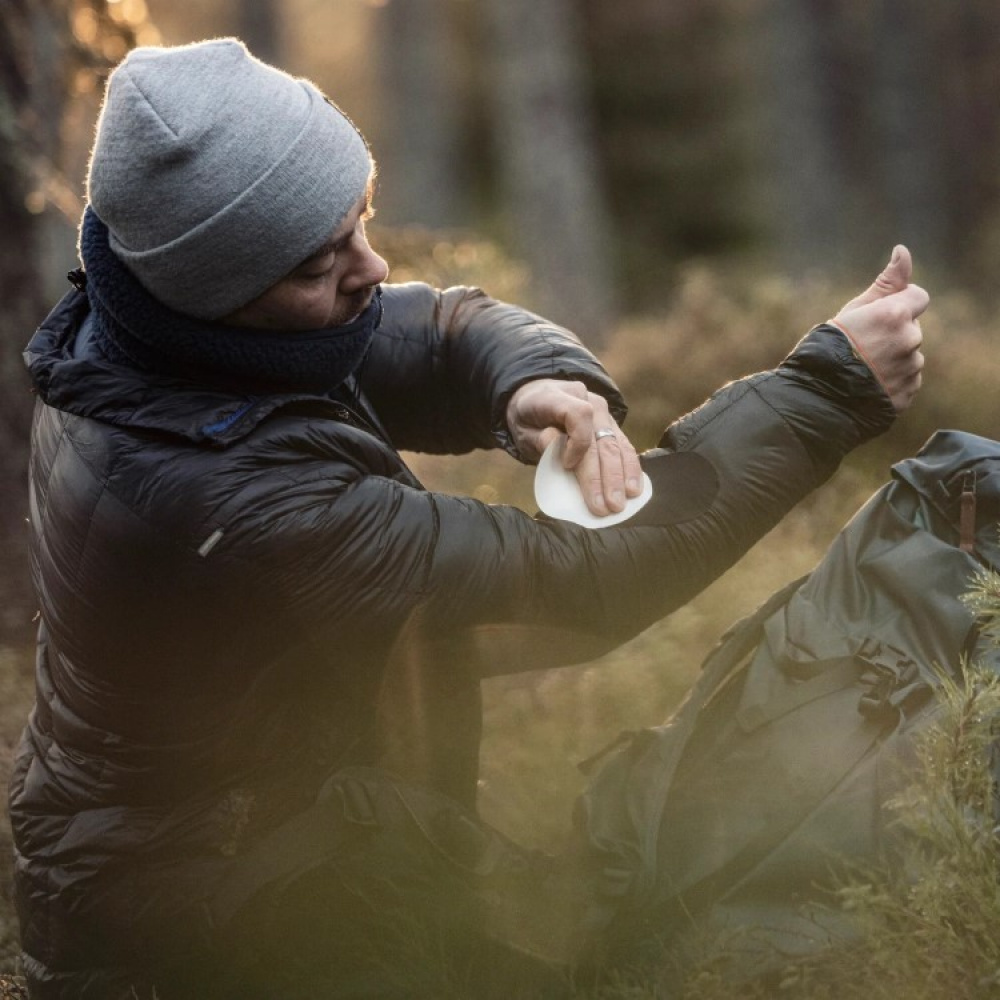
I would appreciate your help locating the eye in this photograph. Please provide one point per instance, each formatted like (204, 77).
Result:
(317, 275)
(322, 265)
(319, 269)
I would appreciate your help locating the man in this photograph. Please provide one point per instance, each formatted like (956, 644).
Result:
(232, 560)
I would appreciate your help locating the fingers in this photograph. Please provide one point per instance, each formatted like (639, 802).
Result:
(907, 388)
(915, 299)
(545, 438)
(896, 312)
(909, 374)
(894, 278)
(581, 423)
(601, 457)
(609, 472)
(540, 410)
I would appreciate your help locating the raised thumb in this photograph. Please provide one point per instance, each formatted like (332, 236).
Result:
(894, 278)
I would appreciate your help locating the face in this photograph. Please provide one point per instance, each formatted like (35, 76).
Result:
(329, 288)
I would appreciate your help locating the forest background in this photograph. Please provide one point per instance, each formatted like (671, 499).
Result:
(690, 186)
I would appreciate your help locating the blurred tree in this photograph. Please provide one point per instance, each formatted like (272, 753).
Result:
(50, 51)
(810, 135)
(260, 24)
(677, 114)
(907, 107)
(31, 35)
(885, 128)
(817, 131)
(862, 131)
(554, 202)
(180, 23)
(422, 166)
(966, 64)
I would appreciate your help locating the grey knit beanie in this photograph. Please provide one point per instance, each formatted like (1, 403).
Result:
(217, 174)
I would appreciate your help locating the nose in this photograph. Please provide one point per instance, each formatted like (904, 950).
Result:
(366, 270)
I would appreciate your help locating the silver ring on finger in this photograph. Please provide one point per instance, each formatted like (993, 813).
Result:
(604, 432)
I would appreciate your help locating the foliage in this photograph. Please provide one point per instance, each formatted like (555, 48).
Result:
(445, 258)
(15, 699)
(984, 601)
(12, 988)
(720, 323)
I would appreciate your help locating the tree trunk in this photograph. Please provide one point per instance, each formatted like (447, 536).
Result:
(423, 172)
(46, 46)
(259, 24)
(21, 286)
(555, 207)
(908, 126)
(967, 62)
(809, 204)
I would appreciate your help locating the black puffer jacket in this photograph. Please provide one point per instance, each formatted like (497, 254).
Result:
(222, 578)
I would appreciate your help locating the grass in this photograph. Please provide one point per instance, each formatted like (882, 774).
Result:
(716, 326)
(16, 693)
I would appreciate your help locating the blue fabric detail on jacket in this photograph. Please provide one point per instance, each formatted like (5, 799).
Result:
(226, 422)
(84, 344)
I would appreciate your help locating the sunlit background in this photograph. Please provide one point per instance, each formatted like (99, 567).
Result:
(687, 184)
(601, 144)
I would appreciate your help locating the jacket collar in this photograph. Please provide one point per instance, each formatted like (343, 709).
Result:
(87, 385)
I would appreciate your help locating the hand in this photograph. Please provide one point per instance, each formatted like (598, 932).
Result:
(882, 324)
(607, 469)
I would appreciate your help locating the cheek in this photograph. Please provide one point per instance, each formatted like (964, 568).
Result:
(307, 307)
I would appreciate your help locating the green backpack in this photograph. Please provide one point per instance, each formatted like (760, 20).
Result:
(732, 818)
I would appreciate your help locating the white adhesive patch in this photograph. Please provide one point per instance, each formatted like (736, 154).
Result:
(558, 494)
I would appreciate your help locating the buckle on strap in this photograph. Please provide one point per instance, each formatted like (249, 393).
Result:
(967, 514)
(894, 686)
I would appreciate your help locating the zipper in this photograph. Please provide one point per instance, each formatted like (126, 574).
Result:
(342, 412)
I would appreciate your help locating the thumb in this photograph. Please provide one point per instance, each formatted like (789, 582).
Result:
(894, 278)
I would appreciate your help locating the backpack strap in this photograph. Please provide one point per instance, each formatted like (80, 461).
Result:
(628, 861)
(841, 674)
(355, 805)
(892, 684)
(733, 649)
(892, 691)
(967, 514)
(693, 899)
(341, 812)
(739, 641)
